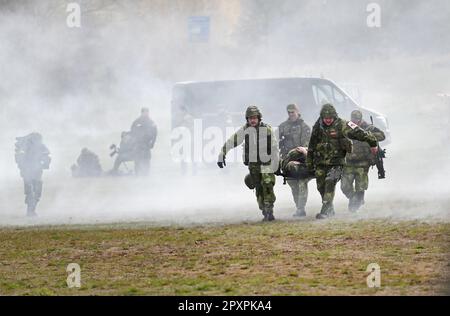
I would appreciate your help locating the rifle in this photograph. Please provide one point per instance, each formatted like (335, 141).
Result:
(381, 154)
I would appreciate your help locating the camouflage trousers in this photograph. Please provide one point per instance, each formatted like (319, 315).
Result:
(264, 183)
(32, 190)
(326, 178)
(357, 175)
(299, 190)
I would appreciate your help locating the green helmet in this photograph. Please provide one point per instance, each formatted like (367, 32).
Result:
(249, 182)
(252, 110)
(356, 115)
(328, 110)
(292, 107)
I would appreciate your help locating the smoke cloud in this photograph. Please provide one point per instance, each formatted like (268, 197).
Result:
(81, 87)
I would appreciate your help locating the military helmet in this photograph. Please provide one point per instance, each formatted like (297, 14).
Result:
(253, 110)
(292, 107)
(328, 110)
(356, 115)
(249, 182)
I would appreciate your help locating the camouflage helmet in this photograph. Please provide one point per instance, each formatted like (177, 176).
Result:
(249, 182)
(253, 110)
(356, 115)
(292, 107)
(328, 110)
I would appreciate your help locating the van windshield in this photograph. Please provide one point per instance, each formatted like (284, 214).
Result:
(324, 92)
(224, 102)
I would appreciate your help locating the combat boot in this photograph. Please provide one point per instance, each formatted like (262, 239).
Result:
(268, 214)
(359, 200)
(266, 217)
(31, 210)
(326, 212)
(300, 212)
(352, 204)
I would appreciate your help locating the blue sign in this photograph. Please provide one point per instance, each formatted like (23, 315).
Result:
(198, 28)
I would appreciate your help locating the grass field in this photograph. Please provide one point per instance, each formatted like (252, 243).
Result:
(283, 258)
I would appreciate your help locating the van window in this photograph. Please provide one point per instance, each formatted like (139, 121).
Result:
(326, 93)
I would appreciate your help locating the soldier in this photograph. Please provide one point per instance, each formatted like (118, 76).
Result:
(357, 165)
(32, 157)
(329, 144)
(88, 165)
(144, 132)
(260, 155)
(293, 133)
(293, 165)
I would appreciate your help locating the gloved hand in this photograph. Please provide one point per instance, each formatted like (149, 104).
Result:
(221, 161)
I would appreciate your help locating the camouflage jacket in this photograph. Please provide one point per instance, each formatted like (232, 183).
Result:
(293, 134)
(329, 145)
(361, 155)
(260, 144)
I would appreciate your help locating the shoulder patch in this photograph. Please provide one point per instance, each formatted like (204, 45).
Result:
(352, 125)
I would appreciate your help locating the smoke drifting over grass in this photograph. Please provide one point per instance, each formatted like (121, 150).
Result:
(80, 87)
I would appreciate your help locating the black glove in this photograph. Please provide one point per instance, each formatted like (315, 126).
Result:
(221, 161)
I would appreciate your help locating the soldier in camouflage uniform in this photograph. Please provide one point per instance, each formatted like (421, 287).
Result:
(328, 146)
(357, 165)
(293, 133)
(260, 155)
(32, 157)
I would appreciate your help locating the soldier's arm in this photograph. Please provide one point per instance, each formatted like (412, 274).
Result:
(235, 140)
(378, 133)
(353, 131)
(154, 134)
(306, 135)
(46, 158)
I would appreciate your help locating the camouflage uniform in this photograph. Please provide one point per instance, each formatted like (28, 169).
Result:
(257, 142)
(32, 157)
(357, 165)
(295, 134)
(327, 150)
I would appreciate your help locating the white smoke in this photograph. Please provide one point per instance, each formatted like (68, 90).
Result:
(81, 87)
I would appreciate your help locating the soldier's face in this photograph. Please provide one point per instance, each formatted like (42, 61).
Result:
(253, 121)
(328, 121)
(293, 115)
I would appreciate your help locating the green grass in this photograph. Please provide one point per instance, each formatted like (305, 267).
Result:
(281, 258)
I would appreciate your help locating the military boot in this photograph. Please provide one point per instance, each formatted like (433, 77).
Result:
(359, 197)
(31, 210)
(326, 211)
(264, 213)
(352, 204)
(268, 213)
(300, 212)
